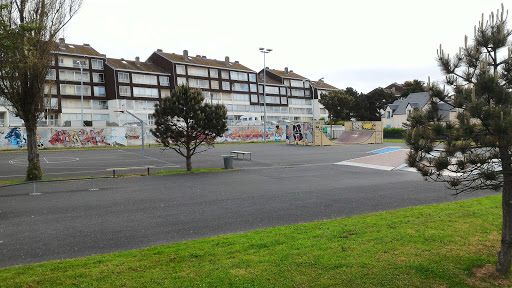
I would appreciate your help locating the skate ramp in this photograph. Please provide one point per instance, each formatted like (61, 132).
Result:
(355, 137)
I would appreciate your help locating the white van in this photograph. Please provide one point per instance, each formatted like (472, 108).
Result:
(250, 120)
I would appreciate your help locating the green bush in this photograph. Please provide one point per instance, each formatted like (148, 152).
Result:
(394, 133)
(334, 123)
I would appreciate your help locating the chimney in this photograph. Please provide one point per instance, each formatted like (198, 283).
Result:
(122, 59)
(204, 57)
(285, 70)
(185, 54)
(237, 62)
(226, 60)
(198, 56)
(137, 61)
(62, 43)
(86, 45)
(159, 50)
(291, 71)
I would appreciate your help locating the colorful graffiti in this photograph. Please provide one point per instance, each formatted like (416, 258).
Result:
(78, 138)
(15, 137)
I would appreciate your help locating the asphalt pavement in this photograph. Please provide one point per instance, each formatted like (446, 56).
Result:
(282, 185)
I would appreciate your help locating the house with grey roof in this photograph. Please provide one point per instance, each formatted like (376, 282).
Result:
(395, 114)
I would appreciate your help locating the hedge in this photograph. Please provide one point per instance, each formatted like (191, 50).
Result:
(394, 133)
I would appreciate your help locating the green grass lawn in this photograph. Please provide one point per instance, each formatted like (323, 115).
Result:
(428, 246)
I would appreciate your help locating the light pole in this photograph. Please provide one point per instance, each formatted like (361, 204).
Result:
(82, 90)
(265, 51)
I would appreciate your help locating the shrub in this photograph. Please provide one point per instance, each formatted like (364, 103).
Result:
(394, 133)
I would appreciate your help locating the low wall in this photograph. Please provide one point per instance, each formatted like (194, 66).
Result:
(67, 137)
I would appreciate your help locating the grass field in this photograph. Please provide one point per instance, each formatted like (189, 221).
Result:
(429, 246)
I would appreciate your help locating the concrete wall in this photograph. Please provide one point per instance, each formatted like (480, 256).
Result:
(68, 137)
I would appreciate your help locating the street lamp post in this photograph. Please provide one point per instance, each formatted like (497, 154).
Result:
(265, 51)
(82, 90)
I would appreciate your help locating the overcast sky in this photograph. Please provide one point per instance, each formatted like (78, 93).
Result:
(359, 44)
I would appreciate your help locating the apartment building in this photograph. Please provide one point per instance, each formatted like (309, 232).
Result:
(298, 94)
(317, 89)
(226, 82)
(135, 86)
(76, 71)
(109, 85)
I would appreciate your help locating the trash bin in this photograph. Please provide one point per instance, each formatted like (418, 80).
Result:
(228, 161)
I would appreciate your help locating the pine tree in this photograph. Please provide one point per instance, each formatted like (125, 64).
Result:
(476, 149)
(188, 125)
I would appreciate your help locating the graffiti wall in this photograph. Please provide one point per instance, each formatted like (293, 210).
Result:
(251, 134)
(67, 137)
(16, 138)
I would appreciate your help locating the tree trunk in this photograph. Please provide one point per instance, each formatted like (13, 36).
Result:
(505, 254)
(189, 160)
(34, 171)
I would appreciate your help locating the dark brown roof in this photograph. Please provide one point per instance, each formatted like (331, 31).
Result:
(394, 88)
(205, 62)
(269, 81)
(323, 85)
(77, 49)
(284, 75)
(122, 64)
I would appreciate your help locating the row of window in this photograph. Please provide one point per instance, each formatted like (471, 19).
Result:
(73, 62)
(77, 90)
(71, 75)
(143, 79)
(214, 73)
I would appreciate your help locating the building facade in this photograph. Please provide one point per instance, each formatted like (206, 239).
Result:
(82, 82)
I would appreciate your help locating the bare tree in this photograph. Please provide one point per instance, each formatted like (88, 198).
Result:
(28, 34)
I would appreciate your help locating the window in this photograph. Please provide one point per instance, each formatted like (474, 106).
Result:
(308, 92)
(151, 119)
(215, 96)
(180, 69)
(287, 82)
(254, 88)
(145, 92)
(296, 83)
(97, 64)
(224, 74)
(225, 85)
(164, 81)
(61, 62)
(282, 90)
(215, 84)
(284, 100)
(252, 77)
(272, 90)
(124, 91)
(197, 71)
(181, 80)
(240, 87)
(241, 76)
(100, 105)
(98, 77)
(99, 91)
(199, 83)
(48, 89)
(77, 63)
(67, 75)
(123, 77)
(144, 79)
(66, 89)
(254, 98)
(297, 92)
(271, 100)
(240, 97)
(52, 75)
(388, 114)
(214, 73)
(165, 92)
